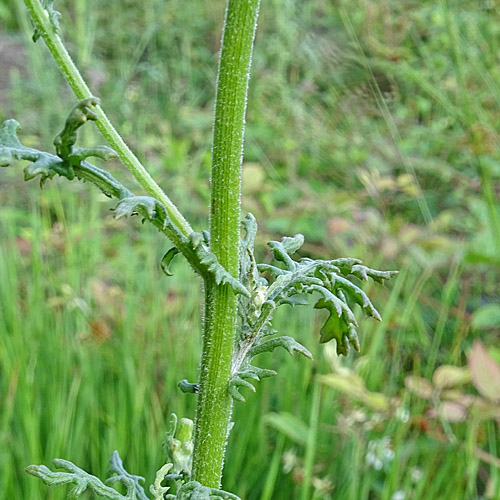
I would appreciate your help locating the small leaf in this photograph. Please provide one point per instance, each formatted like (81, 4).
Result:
(116, 467)
(291, 245)
(145, 205)
(282, 250)
(66, 139)
(167, 259)
(81, 479)
(364, 272)
(358, 296)
(47, 165)
(256, 373)
(44, 164)
(288, 343)
(238, 381)
(156, 489)
(249, 223)
(235, 384)
(275, 271)
(336, 327)
(211, 265)
(485, 372)
(193, 490)
(293, 301)
(188, 388)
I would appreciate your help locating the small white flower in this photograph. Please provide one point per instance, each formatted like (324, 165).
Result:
(374, 461)
(379, 453)
(403, 415)
(398, 495)
(416, 474)
(290, 461)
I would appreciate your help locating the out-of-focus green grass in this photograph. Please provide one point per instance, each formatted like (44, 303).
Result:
(372, 129)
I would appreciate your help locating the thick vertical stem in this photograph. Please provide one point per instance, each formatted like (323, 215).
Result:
(214, 404)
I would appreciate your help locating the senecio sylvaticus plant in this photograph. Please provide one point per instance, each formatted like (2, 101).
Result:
(241, 295)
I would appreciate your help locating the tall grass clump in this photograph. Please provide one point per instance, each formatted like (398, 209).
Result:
(241, 295)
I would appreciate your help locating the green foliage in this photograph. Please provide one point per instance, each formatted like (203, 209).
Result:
(258, 298)
(331, 280)
(121, 475)
(83, 481)
(71, 162)
(215, 256)
(195, 491)
(178, 448)
(314, 126)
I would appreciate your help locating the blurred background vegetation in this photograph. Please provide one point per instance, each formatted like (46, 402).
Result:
(373, 130)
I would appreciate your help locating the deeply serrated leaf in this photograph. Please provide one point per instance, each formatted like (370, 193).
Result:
(358, 296)
(294, 301)
(292, 244)
(335, 327)
(235, 384)
(288, 343)
(81, 479)
(256, 373)
(145, 205)
(116, 467)
(44, 164)
(364, 272)
(66, 139)
(284, 248)
(47, 165)
(239, 381)
(209, 262)
(193, 490)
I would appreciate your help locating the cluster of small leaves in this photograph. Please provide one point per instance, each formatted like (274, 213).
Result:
(193, 490)
(83, 481)
(71, 162)
(329, 280)
(178, 447)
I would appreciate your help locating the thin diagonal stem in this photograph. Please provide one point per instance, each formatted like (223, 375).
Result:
(82, 91)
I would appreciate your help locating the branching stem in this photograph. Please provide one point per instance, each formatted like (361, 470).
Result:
(82, 91)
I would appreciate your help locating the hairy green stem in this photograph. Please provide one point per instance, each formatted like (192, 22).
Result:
(214, 402)
(82, 91)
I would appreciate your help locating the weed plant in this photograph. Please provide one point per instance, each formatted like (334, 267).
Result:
(240, 295)
(336, 155)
